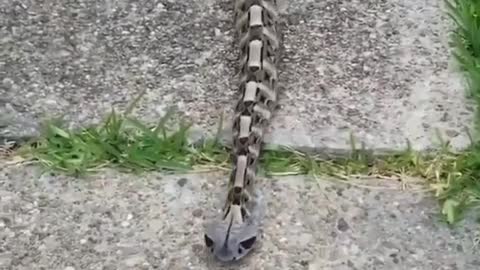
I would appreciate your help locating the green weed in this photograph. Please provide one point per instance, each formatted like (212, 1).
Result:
(128, 144)
(462, 187)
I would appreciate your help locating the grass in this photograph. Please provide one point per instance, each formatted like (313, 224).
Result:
(128, 144)
(466, 41)
(464, 193)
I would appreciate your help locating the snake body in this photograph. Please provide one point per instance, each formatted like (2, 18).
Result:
(256, 23)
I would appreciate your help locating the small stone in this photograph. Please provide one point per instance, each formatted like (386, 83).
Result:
(134, 260)
(182, 181)
(394, 258)
(83, 241)
(7, 83)
(197, 212)
(342, 225)
(69, 268)
(160, 7)
(50, 102)
(452, 133)
(125, 224)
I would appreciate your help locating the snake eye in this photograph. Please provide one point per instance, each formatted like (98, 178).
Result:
(208, 241)
(247, 244)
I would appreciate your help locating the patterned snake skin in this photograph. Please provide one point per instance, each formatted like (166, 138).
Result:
(235, 235)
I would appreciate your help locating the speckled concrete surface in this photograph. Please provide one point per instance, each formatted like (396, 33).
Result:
(153, 221)
(377, 68)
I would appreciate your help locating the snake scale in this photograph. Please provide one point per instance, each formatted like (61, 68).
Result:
(236, 233)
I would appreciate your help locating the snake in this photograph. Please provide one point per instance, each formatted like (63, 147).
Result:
(233, 235)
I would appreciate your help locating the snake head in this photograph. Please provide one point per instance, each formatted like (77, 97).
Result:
(230, 242)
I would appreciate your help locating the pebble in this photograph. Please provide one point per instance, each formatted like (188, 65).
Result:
(134, 260)
(160, 7)
(342, 225)
(182, 181)
(7, 83)
(197, 212)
